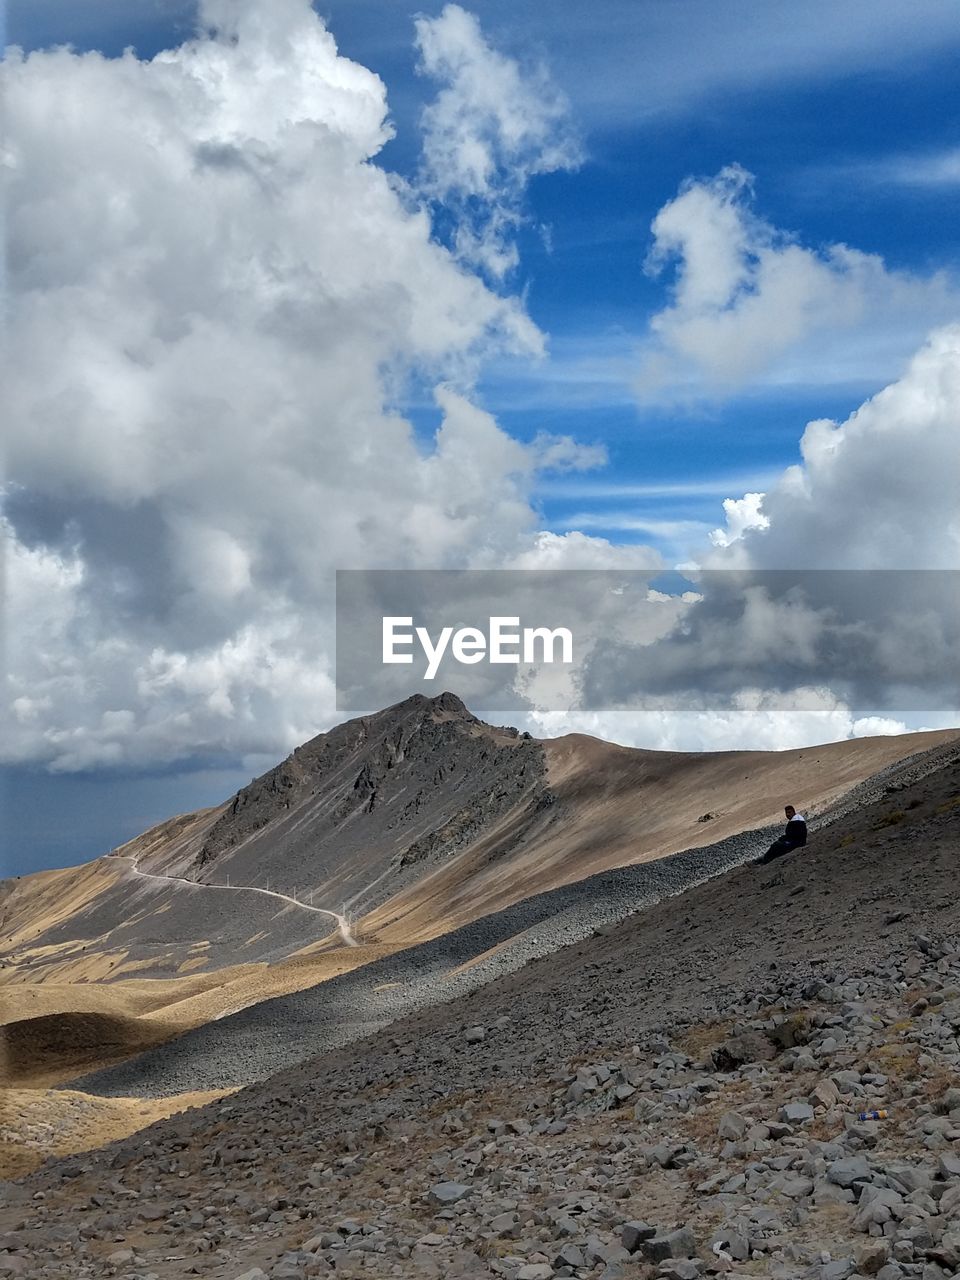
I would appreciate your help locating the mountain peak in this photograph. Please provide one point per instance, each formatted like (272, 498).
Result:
(449, 704)
(445, 702)
(379, 780)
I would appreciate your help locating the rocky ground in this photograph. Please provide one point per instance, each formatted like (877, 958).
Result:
(679, 1096)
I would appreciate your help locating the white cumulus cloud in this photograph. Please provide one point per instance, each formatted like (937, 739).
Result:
(741, 514)
(847, 568)
(493, 125)
(841, 580)
(878, 491)
(752, 720)
(214, 293)
(749, 302)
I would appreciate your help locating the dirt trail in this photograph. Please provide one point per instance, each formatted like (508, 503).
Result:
(343, 924)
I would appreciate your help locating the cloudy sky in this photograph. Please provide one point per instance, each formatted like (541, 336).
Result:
(369, 286)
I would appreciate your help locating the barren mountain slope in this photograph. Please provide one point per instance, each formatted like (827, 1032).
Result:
(135, 1014)
(364, 804)
(412, 822)
(113, 923)
(347, 819)
(699, 1067)
(263, 1038)
(613, 806)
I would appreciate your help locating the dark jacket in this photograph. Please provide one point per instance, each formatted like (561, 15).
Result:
(796, 831)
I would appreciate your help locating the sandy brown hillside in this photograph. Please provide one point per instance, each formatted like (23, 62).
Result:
(613, 806)
(106, 960)
(407, 823)
(693, 1076)
(389, 830)
(343, 823)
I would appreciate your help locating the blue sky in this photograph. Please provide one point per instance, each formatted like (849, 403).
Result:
(846, 117)
(661, 92)
(806, 121)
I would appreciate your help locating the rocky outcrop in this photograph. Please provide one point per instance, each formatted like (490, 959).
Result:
(379, 794)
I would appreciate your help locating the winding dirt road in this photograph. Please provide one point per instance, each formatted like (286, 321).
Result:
(343, 923)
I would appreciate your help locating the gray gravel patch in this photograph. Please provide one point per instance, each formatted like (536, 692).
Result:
(160, 923)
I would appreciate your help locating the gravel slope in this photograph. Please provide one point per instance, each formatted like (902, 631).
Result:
(699, 1066)
(279, 1033)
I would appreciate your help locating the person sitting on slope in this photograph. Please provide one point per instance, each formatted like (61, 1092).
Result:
(794, 837)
